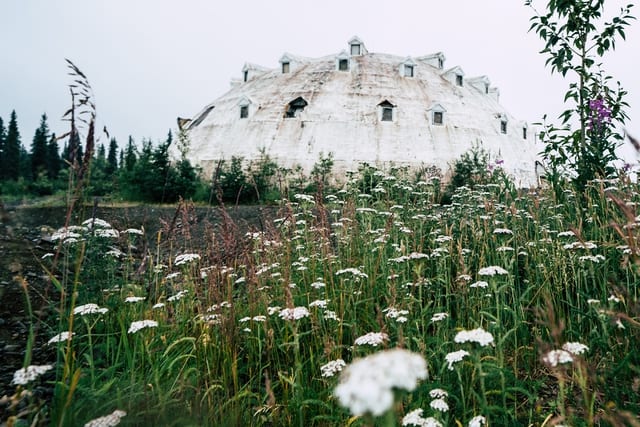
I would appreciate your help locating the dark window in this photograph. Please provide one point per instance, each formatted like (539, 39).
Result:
(503, 126)
(524, 133)
(285, 67)
(408, 70)
(244, 112)
(438, 117)
(486, 89)
(387, 114)
(246, 76)
(295, 107)
(440, 63)
(355, 49)
(343, 64)
(459, 80)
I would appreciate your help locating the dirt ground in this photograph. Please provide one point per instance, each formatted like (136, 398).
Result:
(23, 242)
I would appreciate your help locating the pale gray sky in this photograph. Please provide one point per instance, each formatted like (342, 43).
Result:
(150, 61)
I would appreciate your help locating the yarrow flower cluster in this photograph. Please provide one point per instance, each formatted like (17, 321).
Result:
(478, 421)
(492, 271)
(82, 310)
(295, 313)
(62, 336)
(414, 418)
(438, 317)
(455, 356)
(186, 258)
(113, 419)
(141, 324)
(26, 375)
(477, 335)
(367, 384)
(372, 338)
(332, 368)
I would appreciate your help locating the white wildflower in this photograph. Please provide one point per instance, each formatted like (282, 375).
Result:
(26, 375)
(273, 310)
(141, 324)
(331, 315)
(478, 335)
(354, 271)
(492, 271)
(321, 303)
(479, 284)
(575, 347)
(438, 393)
(186, 258)
(613, 298)
(133, 231)
(555, 357)
(455, 356)
(172, 276)
(158, 306)
(108, 233)
(580, 245)
(61, 337)
(414, 418)
(478, 421)
(89, 309)
(439, 405)
(367, 384)
(437, 317)
(372, 338)
(96, 223)
(295, 313)
(113, 419)
(502, 231)
(134, 299)
(318, 284)
(178, 296)
(332, 368)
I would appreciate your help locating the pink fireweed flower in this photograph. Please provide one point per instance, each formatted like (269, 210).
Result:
(478, 335)
(372, 338)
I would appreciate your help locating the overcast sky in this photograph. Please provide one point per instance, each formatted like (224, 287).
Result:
(150, 61)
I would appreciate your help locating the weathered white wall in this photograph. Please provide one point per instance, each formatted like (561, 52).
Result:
(342, 118)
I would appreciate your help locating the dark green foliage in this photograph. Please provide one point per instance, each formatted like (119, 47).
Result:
(39, 148)
(575, 39)
(470, 170)
(112, 157)
(230, 182)
(54, 163)
(10, 168)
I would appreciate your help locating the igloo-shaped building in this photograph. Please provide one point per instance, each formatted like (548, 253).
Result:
(361, 107)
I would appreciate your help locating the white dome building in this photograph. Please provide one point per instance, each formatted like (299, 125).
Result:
(361, 107)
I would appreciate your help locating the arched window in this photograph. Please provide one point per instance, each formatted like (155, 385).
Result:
(295, 107)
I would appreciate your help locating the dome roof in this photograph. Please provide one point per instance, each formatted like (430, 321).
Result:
(361, 107)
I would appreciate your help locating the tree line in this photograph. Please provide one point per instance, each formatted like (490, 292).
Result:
(131, 173)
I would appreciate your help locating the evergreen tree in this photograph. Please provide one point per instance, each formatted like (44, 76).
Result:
(39, 149)
(54, 163)
(130, 156)
(2, 140)
(10, 168)
(112, 157)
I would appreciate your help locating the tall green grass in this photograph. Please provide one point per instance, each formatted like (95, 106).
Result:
(385, 259)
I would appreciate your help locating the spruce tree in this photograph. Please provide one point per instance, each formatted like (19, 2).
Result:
(39, 148)
(112, 157)
(2, 140)
(10, 168)
(54, 164)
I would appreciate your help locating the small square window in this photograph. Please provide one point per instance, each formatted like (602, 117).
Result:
(438, 117)
(244, 112)
(355, 49)
(343, 65)
(286, 67)
(459, 80)
(503, 126)
(246, 76)
(408, 70)
(387, 114)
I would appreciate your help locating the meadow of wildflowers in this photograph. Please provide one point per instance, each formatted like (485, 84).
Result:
(365, 306)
